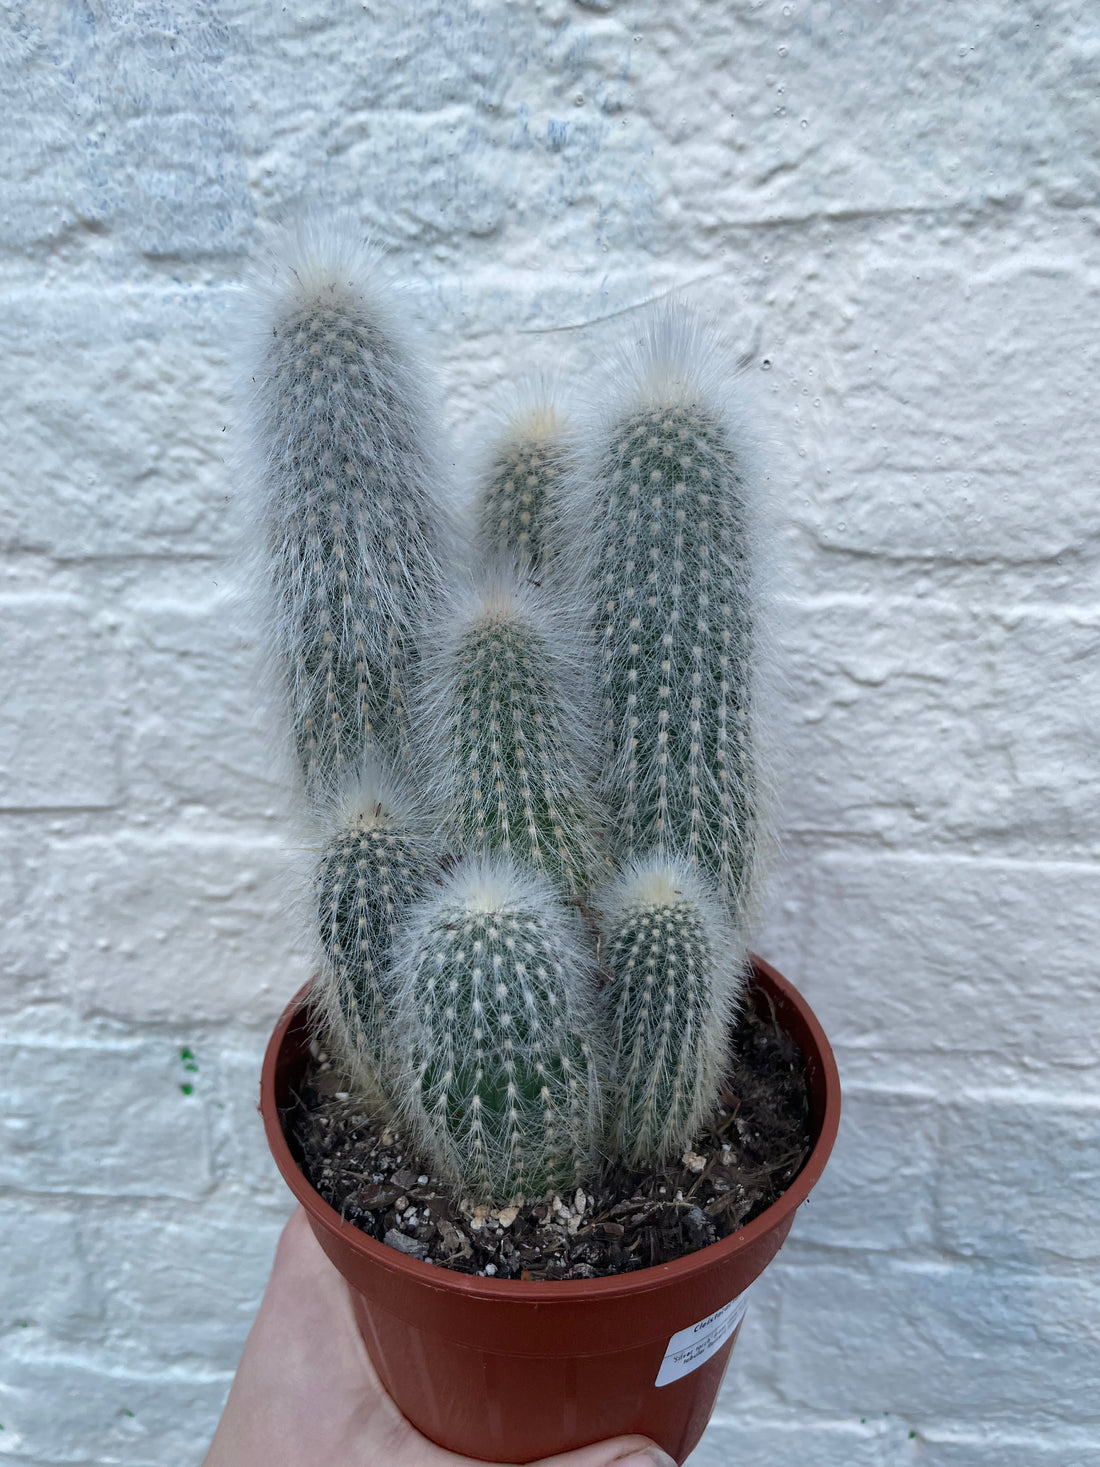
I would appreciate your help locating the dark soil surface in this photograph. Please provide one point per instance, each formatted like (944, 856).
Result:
(624, 1220)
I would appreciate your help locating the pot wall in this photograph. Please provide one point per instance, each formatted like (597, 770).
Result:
(513, 1371)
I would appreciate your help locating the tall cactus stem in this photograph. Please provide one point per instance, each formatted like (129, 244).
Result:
(518, 493)
(353, 524)
(667, 520)
(505, 725)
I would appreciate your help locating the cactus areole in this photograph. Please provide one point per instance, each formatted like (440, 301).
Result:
(527, 740)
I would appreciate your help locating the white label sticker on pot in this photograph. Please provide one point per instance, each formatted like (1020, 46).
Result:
(689, 1347)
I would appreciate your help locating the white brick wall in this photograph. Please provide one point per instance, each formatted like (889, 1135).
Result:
(893, 210)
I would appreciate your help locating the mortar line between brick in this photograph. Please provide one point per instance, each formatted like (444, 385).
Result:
(1086, 612)
(169, 1375)
(949, 1430)
(803, 1255)
(945, 857)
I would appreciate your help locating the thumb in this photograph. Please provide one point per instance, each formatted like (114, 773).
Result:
(621, 1451)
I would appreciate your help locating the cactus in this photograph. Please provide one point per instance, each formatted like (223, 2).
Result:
(464, 1001)
(353, 526)
(376, 862)
(518, 496)
(668, 539)
(676, 980)
(504, 733)
(495, 1001)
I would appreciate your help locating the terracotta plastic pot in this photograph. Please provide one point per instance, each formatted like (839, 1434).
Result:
(510, 1371)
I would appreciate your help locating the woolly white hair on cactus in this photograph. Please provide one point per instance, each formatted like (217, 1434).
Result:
(517, 507)
(505, 716)
(678, 973)
(378, 859)
(349, 477)
(665, 509)
(496, 1016)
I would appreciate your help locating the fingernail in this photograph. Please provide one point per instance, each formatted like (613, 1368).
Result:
(645, 1457)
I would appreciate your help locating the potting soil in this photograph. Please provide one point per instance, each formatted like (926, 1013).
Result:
(623, 1220)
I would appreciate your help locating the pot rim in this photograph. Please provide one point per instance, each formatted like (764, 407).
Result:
(550, 1291)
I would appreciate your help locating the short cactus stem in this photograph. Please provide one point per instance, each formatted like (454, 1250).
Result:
(669, 532)
(504, 728)
(518, 507)
(500, 1092)
(352, 531)
(677, 973)
(374, 865)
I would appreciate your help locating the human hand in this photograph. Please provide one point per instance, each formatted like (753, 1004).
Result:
(305, 1390)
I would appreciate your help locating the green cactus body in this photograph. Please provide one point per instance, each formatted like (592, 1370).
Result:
(676, 976)
(352, 532)
(518, 504)
(670, 575)
(510, 770)
(372, 868)
(465, 1003)
(501, 1089)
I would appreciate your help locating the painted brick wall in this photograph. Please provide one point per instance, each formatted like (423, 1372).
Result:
(893, 209)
